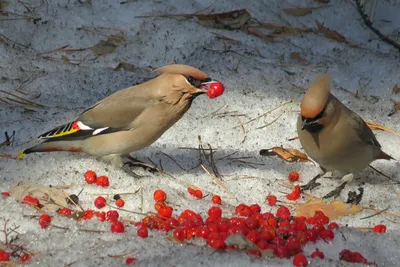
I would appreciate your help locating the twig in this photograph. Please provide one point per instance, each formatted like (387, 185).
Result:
(218, 182)
(174, 160)
(379, 212)
(368, 23)
(12, 41)
(384, 175)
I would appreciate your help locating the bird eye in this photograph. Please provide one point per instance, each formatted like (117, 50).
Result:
(190, 79)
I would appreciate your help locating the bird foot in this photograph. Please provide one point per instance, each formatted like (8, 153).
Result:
(137, 163)
(311, 184)
(336, 192)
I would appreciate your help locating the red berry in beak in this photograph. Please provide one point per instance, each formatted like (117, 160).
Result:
(215, 89)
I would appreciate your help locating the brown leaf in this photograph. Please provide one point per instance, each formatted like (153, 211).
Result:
(232, 20)
(282, 28)
(3, 5)
(298, 11)
(258, 33)
(396, 89)
(65, 59)
(52, 199)
(333, 210)
(125, 66)
(322, 1)
(297, 57)
(375, 126)
(333, 35)
(287, 154)
(105, 47)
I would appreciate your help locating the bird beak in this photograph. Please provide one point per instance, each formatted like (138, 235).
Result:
(203, 87)
(306, 124)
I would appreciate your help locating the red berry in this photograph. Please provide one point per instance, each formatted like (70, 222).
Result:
(216, 200)
(300, 260)
(25, 257)
(215, 212)
(100, 202)
(102, 181)
(159, 195)
(333, 226)
(327, 234)
(349, 256)
(380, 228)
(293, 177)
(198, 194)
(4, 256)
(101, 216)
(143, 231)
(44, 221)
(180, 234)
(130, 260)
(295, 194)
(112, 215)
(243, 210)
(117, 227)
(88, 214)
(31, 201)
(318, 254)
(120, 202)
(165, 211)
(271, 199)
(6, 194)
(283, 212)
(65, 211)
(255, 208)
(90, 177)
(215, 89)
(159, 205)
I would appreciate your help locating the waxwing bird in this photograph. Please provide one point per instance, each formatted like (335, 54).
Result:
(334, 136)
(130, 119)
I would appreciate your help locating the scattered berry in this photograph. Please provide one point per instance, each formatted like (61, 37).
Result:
(216, 200)
(130, 260)
(102, 181)
(349, 256)
(116, 197)
(26, 257)
(295, 194)
(4, 256)
(44, 221)
(333, 226)
(6, 194)
(283, 212)
(100, 202)
(31, 201)
(195, 192)
(160, 195)
(117, 227)
(112, 215)
(90, 177)
(159, 205)
(65, 211)
(88, 214)
(318, 254)
(143, 231)
(101, 216)
(271, 199)
(215, 212)
(300, 260)
(380, 228)
(165, 211)
(120, 202)
(293, 177)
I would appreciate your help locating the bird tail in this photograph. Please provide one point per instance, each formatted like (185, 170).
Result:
(53, 145)
(383, 155)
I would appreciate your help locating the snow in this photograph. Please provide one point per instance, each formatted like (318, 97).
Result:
(259, 76)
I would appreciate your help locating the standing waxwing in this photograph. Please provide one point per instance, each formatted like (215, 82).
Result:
(130, 119)
(334, 136)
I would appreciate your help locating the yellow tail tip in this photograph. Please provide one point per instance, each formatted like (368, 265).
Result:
(21, 155)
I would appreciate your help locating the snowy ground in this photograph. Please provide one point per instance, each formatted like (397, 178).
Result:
(259, 75)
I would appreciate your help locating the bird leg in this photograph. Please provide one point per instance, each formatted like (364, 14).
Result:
(133, 162)
(336, 192)
(313, 183)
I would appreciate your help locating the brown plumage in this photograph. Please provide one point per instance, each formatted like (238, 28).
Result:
(333, 135)
(130, 119)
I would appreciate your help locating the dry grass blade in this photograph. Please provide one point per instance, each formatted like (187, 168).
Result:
(333, 35)
(379, 127)
(262, 115)
(7, 156)
(218, 182)
(287, 154)
(322, 1)
(296, 56)
(298, 11)
(22, 100)
(282, 28)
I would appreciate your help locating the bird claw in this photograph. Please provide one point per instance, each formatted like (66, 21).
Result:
(311, 184)
(335, 192)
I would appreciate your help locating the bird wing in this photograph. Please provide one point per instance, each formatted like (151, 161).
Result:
(364, 133)
(113, 114)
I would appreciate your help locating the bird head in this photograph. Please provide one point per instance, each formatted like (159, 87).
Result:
(315, 107)
(191, 80)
